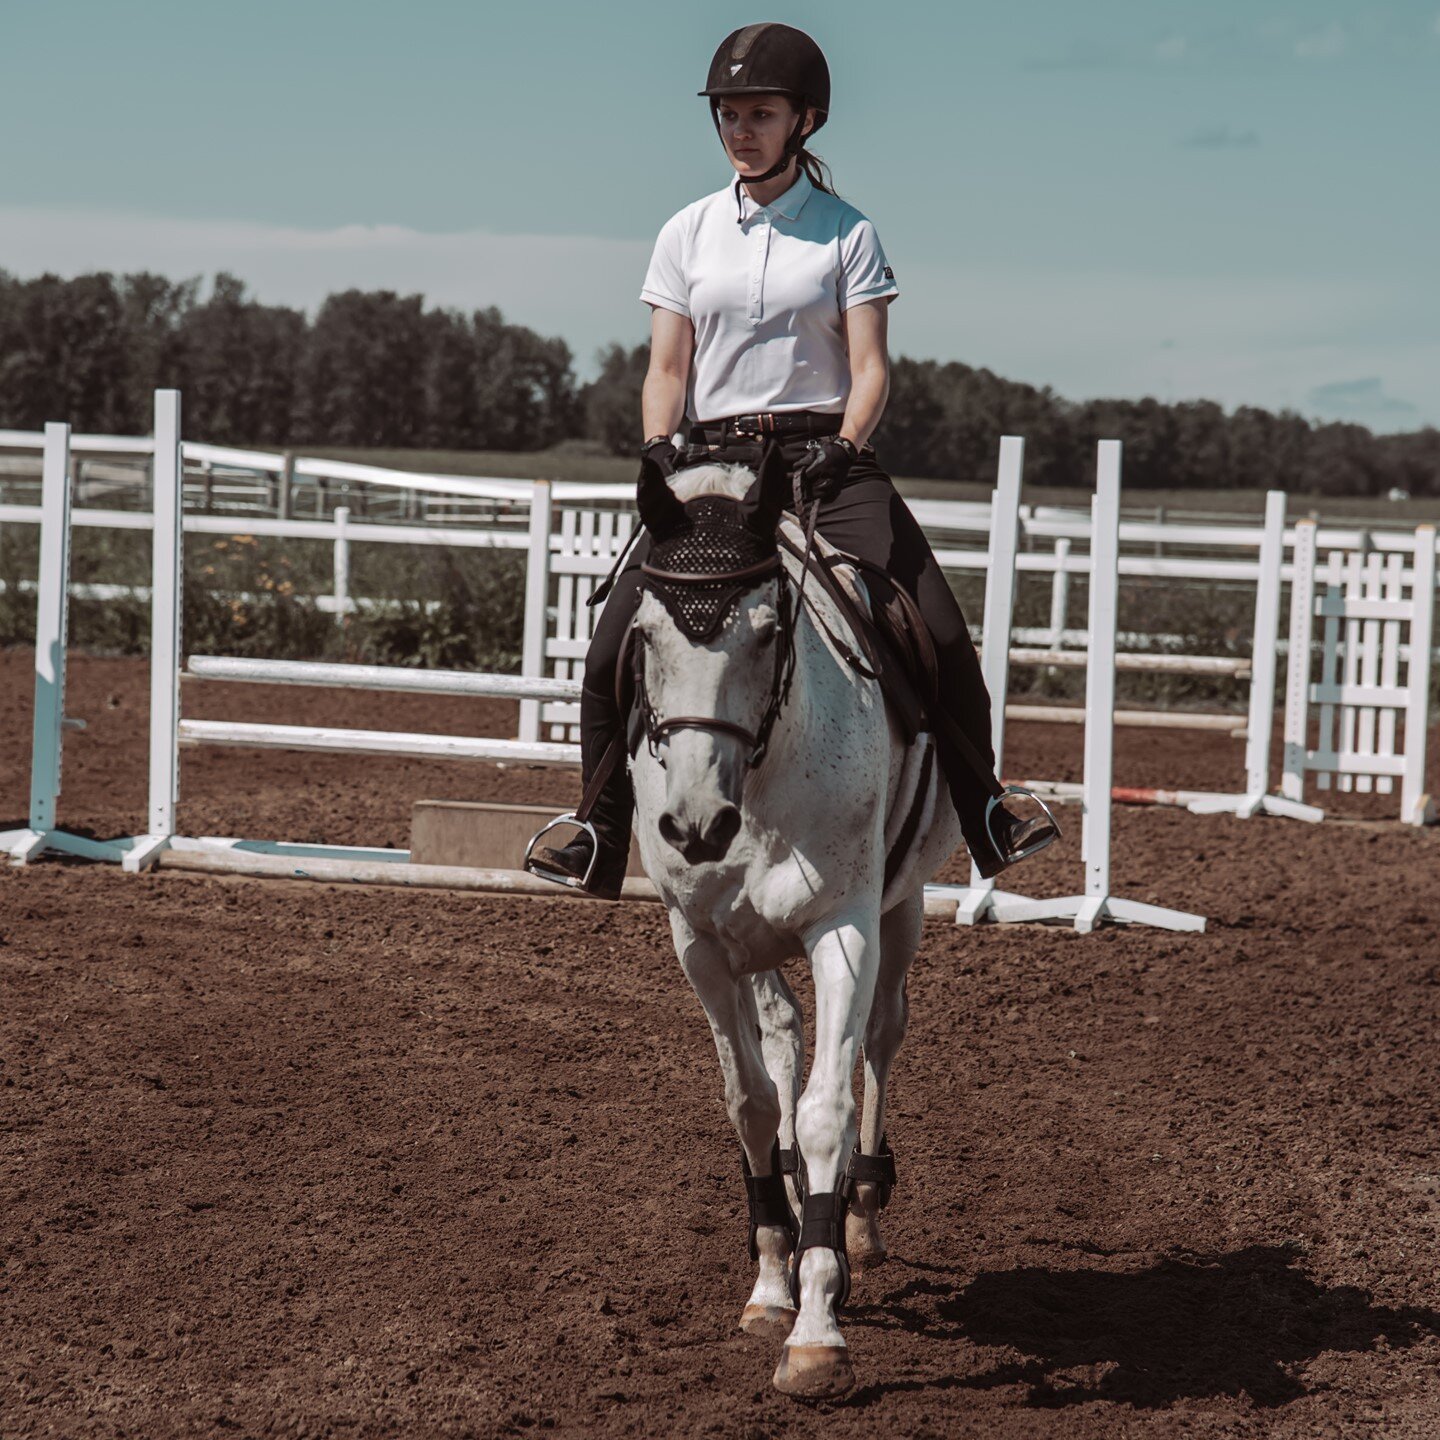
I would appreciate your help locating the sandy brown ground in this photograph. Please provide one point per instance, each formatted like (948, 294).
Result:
(308, 1160)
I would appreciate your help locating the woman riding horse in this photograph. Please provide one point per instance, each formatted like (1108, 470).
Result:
(769, 303)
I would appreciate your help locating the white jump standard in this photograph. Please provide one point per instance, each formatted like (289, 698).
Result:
(981, 901)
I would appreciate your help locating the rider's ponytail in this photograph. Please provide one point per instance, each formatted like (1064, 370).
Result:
(817, 170)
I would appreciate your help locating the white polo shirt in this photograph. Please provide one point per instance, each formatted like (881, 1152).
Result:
(764, 287)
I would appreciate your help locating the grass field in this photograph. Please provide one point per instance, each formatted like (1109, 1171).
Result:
(583, 460)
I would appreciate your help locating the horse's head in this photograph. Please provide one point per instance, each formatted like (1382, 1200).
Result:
(714, 625)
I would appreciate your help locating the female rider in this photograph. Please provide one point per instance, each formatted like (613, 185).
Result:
(768, 324)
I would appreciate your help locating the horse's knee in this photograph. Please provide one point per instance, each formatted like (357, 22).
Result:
(824, 1120)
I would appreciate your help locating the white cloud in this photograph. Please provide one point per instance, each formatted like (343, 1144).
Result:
(582, 287)
(1323, 44)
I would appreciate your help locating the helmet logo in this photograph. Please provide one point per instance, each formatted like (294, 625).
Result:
(736, 69)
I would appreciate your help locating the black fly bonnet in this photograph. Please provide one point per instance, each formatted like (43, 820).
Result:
(704, 556)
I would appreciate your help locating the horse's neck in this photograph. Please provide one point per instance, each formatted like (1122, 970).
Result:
(823, 686)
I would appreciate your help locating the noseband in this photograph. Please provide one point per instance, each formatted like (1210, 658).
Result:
(700, 602)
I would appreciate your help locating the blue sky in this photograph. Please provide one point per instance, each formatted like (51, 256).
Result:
(1228, 200)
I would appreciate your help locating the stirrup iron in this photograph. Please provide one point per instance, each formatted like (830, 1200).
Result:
(558, 877)
(1026, 851)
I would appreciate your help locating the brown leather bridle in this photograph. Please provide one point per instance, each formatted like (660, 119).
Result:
(757, 740)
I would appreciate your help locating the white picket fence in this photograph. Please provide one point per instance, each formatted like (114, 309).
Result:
(570, 543)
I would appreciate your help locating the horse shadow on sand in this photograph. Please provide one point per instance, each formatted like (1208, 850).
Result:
(1188, 1326)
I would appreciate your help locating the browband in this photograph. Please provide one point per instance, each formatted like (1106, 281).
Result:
(725, 577)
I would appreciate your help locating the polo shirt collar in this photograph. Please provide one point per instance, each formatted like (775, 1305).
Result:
(789, 205)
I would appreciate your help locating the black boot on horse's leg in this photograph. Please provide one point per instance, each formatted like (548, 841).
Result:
(769, 1206)
(611, 811)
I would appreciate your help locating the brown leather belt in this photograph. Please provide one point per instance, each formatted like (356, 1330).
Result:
(781, 422)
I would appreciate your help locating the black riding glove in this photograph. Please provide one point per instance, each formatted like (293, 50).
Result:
(826, 464)
(661, 449)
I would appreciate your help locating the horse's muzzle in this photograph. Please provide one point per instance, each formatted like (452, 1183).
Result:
(701, 839)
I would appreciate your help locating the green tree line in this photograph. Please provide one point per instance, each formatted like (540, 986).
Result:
(374, 368)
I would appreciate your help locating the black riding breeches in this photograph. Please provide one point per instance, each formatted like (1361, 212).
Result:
(867, 519)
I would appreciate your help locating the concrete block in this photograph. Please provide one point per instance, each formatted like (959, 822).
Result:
(482, 835)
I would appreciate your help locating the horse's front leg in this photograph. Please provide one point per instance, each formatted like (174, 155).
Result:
(815, 1362)
(872, 1167)
(782, 1040)
(754, 1107)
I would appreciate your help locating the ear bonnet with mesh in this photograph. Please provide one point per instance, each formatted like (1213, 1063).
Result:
(705, 554)
(702, 568)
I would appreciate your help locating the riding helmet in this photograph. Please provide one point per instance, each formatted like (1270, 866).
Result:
(771, 59)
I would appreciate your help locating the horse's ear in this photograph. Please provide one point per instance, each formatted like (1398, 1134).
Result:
(660, 511)
(766, 499)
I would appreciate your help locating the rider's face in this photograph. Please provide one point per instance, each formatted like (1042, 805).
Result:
(755, 129)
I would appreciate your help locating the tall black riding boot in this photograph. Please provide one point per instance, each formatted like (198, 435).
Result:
(610, 817)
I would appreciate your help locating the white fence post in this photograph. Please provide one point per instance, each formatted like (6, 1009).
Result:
(342, 564)
(1059, 595)
(1414, 806)
(167, 596)
(51, 614)
(1297, 679)
(537, 602)
(999, 618)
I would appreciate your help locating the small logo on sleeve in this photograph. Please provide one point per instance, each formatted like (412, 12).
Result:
(889, 273)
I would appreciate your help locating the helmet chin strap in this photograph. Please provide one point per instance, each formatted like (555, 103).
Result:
(791, 150)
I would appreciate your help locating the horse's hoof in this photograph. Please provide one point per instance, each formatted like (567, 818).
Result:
(863, 1246)
(863, 1259)
(814, 1372)
(772, 1322)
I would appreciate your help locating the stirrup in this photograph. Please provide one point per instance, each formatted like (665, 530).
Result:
(559, 877)
(1027, 851)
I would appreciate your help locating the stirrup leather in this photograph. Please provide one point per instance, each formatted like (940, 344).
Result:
(537, 867)
(1027, 851)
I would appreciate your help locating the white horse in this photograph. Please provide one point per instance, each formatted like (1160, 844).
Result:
(764, 857)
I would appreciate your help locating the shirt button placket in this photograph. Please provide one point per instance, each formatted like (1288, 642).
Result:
(761, 243)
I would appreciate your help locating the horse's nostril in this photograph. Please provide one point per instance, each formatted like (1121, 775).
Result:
(670, 830)
(723, 828)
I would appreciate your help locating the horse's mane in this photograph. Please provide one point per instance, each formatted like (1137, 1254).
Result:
(730, 482)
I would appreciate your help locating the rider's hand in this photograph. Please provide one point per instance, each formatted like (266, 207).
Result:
(661, 450)
(826, 464)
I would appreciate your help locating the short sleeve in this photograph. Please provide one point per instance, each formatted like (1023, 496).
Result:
(865, 274)
(665, 279)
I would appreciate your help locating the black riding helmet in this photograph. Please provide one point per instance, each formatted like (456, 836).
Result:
(771, 59)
